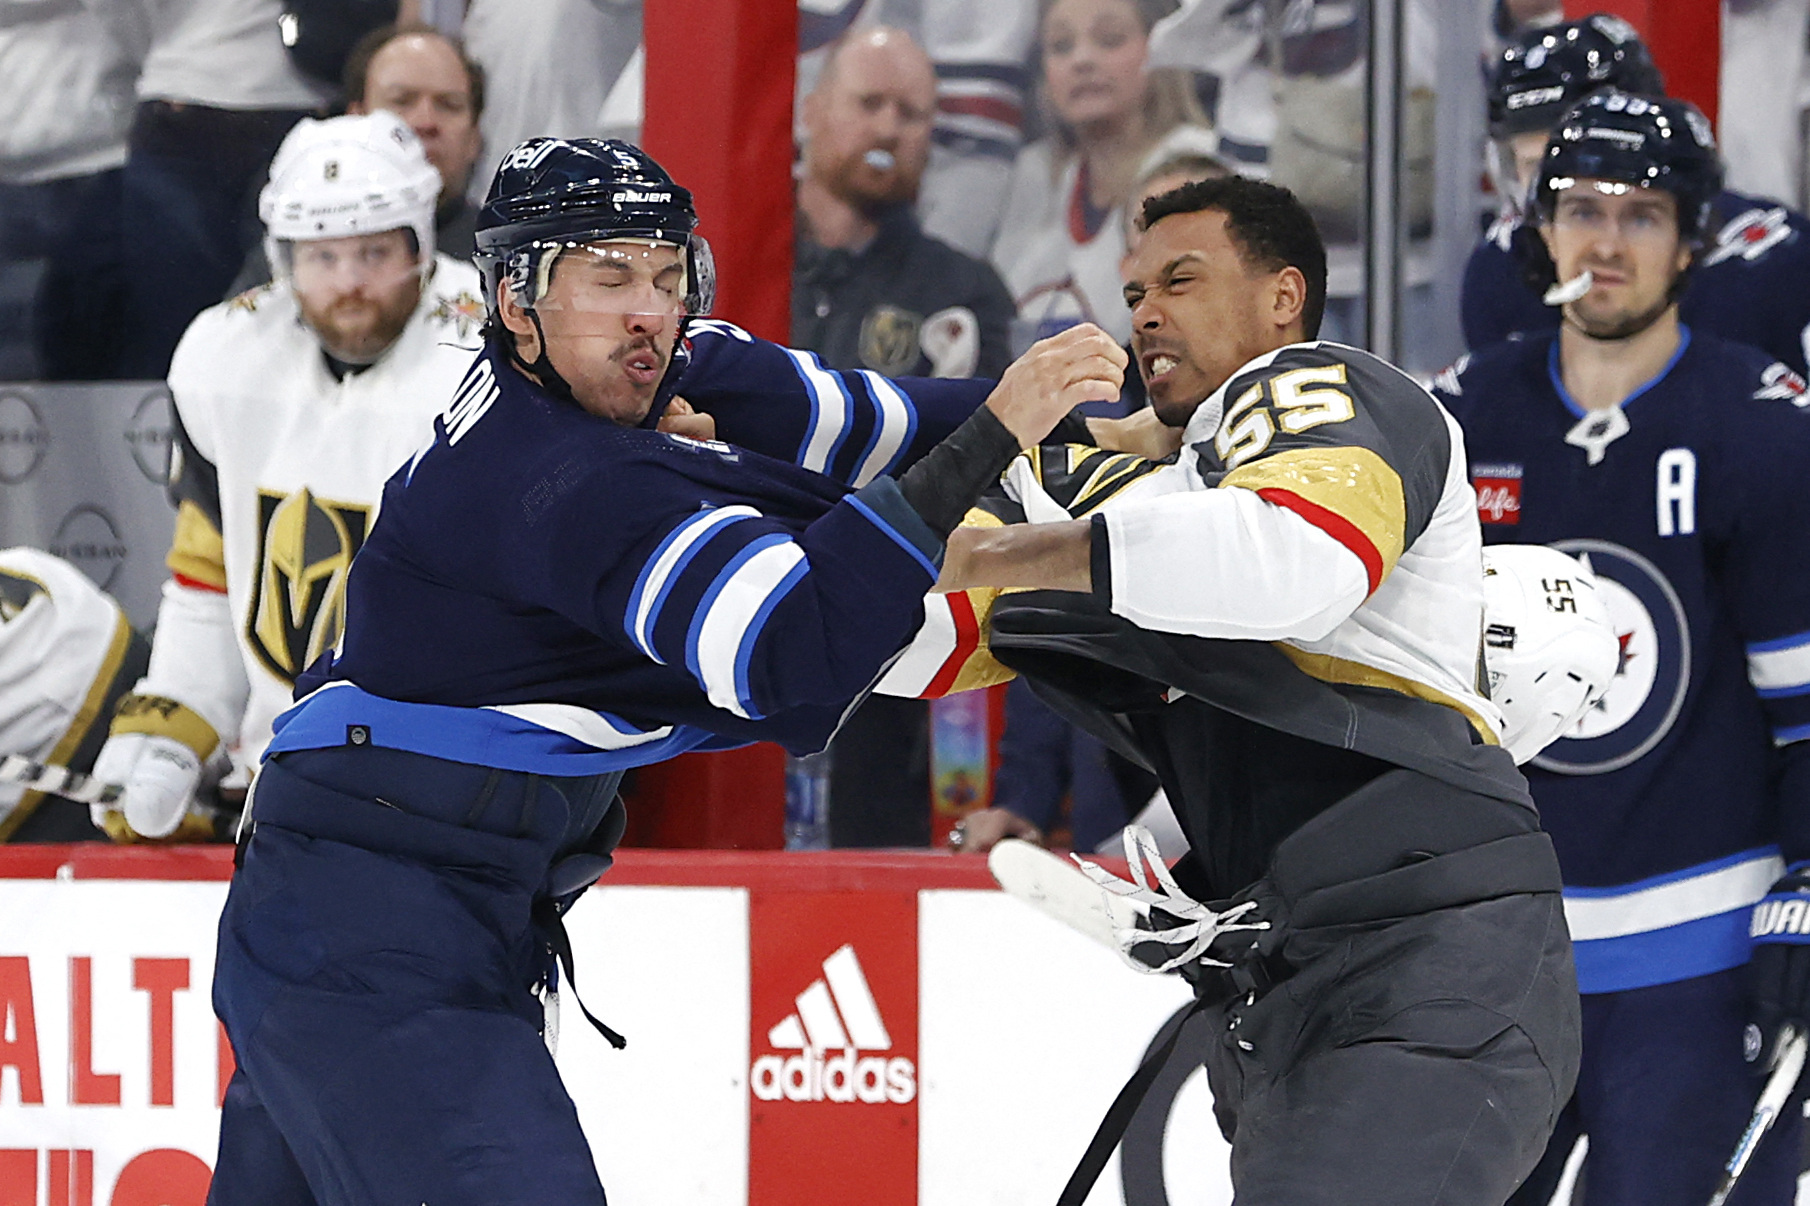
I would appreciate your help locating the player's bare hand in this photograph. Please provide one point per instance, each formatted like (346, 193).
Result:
(980, 831)
(1140, 433)
(1080, 364)
(680, 419)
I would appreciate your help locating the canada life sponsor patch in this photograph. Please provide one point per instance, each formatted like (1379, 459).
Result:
(1498, 493)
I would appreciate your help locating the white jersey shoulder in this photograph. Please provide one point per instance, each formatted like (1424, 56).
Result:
(61, 638)
(1419, 629)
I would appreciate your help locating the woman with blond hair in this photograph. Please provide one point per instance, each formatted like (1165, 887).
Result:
(1110, 115)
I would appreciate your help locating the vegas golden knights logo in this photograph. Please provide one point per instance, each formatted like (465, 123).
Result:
(298, 605)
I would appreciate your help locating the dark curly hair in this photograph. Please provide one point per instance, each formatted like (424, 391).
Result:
(1270, 227)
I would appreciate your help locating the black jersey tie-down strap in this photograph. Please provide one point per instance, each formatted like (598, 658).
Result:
(549, 919)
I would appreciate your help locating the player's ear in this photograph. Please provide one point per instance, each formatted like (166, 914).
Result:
(514, 318)
(1288, 297)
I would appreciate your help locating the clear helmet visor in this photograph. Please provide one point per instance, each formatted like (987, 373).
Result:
(617, 276)
(322, 270)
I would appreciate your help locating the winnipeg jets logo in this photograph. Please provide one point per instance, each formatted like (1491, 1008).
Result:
(1653, 667)
(1751, 235)
(1780, 384)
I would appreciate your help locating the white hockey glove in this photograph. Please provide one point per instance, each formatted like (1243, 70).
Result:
(1174, 921)
(153, 754)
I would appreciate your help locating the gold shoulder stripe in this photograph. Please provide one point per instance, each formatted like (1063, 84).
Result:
(979, 668)
(1330, 669)
(197, 552)
(1354, 485)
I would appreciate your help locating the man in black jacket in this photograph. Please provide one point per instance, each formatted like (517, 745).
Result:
(871, 290)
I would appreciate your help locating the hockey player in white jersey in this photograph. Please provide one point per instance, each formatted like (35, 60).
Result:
(293, 403)
(1286, 626)
(67, 654)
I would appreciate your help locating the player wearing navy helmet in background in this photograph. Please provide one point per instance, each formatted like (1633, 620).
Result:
(559, 587)
(1751, 284)
(1672, 460)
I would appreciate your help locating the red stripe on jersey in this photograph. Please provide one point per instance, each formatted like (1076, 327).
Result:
(967, 640)
(198, 584)
(1335, 526)
(992, 108)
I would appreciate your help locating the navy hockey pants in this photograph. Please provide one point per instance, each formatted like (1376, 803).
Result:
(1664, 1095)
(375, 974)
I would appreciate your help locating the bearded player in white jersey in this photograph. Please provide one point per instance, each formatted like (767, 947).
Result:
(293, 403)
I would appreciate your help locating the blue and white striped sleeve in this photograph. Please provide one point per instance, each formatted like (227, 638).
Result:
(1779, 670)
(852, 426)
(765, 615)
(1764, 579)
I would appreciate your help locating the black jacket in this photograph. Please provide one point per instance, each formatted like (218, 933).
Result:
(868, 309)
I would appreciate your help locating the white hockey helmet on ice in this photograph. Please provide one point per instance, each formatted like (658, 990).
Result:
(1548, 646)
(343, 176)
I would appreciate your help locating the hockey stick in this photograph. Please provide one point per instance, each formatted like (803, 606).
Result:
(1792, 1048)
(57, 781)
(1057, 888)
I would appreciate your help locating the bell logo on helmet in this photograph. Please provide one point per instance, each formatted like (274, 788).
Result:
(528, 154)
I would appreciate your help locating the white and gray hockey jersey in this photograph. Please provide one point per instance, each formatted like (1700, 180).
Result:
(278, 471)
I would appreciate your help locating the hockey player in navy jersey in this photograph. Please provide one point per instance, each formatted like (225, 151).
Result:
(1751, 283)
(555, 591)
(1673, 461)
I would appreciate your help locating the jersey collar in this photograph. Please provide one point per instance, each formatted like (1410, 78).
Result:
(1558, 379)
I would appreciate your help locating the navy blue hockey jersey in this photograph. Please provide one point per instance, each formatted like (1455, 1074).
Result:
(1752, 284)
(1676, 799)
(547, 591)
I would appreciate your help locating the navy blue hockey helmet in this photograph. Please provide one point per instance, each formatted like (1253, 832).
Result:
(1641, 141)
(1644, 141)
(552, 193)
(1546, 71)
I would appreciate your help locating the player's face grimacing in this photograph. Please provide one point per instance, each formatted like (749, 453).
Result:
(611, 312)
(1199, 311)
(1626, 237)
(356, 293)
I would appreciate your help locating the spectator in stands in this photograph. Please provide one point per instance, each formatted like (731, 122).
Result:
(870, 290)
(217, 94)
(66, 89)
(427, 79)
(1061, 234)
(67, 655)
(555, 68)
(982, 59)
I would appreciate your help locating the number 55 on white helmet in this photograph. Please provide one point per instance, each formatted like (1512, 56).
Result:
(1548, 646)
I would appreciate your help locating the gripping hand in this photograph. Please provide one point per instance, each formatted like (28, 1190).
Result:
(155, 750)
(1779, 973)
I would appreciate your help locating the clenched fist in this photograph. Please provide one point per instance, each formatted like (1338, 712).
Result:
(1080, 364)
